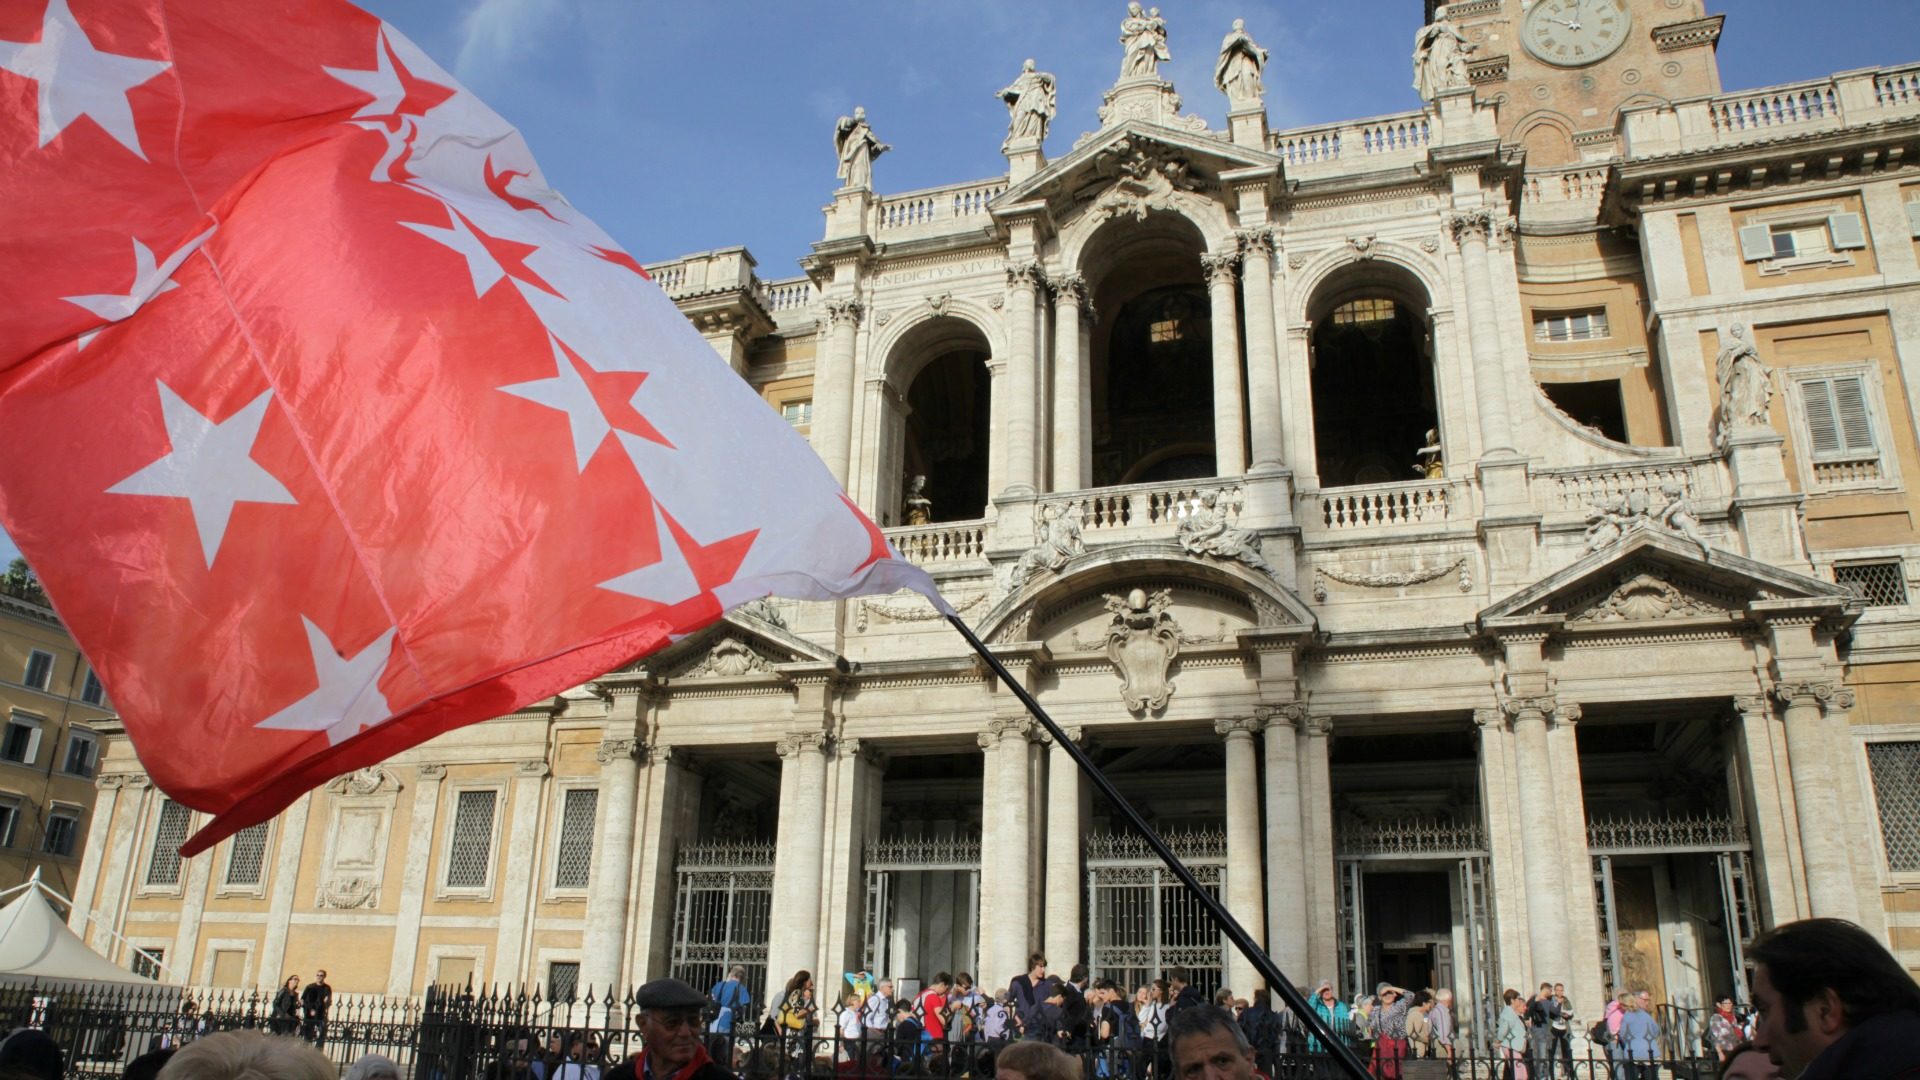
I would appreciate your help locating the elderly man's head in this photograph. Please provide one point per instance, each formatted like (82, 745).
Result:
(1207, 1044)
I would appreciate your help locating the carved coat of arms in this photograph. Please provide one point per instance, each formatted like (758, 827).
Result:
(1142, 641)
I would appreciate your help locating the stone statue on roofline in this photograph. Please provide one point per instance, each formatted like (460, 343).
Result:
(857, 146)
(1144, 35)
(1746, 386)
(1208, 530)
(1237, 72)
(1031, 100)
(1440, 56)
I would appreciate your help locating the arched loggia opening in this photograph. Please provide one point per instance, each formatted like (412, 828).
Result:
(944, 432)
(1374, 399)
(1152, 353)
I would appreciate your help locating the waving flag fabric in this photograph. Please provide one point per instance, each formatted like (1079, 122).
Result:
(328, 425)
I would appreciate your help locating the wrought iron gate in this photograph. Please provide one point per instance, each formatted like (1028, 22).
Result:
(885, 861)
(723, 906)
(1723, 837)
(1142, 920)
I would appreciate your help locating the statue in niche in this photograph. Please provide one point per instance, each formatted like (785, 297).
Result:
(1207, 530)
(857, 146)
(1237, 72)
(1429, 464)
(1440, 56)
(1144, 34)
(1746, 386)
(1142, 641)
(1031, 100)
(1058, 540)
(919, 507)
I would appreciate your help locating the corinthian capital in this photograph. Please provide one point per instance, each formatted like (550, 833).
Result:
(845, 311)
(1029, 275)
(1258, 241)
(1239, 725)
(1468, 224)
(1220, 269)
(796, 742)
(1069, 288)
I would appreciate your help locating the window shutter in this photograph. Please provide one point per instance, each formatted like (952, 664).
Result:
(1816, 395)
(1756, 243)
(1913, 217)
(1850, 402)
(1847, 231)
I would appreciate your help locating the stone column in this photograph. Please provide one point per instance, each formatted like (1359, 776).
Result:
(95, 853)
(609, 876)
(1506, 865)
(1006, 882)
(1229, 457)
(290, 839)
(1816, 795)
(794, 940)
(413, 885)
(193, 904)
(1287, 867)
(1024, 281)
(1263, 355)
(833, 388)
(1244, 900)
(521, 874)
(1072, 403)
(1471, 231)
(1323, 881)
(1547, 928)
(120, 859)
(1768, 786)
(1064, 840)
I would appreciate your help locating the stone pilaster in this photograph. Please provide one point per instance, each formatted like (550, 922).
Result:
(523, 868)
(1072, 395)
(1229, 441)
(853, 820)
(99, 827)
(290, 839)
(1773, 823)
(1286, 866)
(1024, 282)
(413, 883)
(1263, 354)
(1471, 231)
(119, 861)
(1502, 809)
(794, 940)
(609, 877)
(1816, 795)
(1064, 839)
(1006, 931)
(193, 902)
(1243, 892)
(1540, 841)
(833, 388)
(1323, 882)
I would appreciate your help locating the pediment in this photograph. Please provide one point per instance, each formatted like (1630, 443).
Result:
(1147, 156)
(749, 643)
(1653, 578)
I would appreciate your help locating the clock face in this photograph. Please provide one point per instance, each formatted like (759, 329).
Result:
(1573, 33)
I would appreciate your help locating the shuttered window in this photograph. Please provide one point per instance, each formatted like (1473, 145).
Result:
(1803, 239)
(247, 855)
(470, 854)
(163, 866)
(1838, 420)
(575, 861)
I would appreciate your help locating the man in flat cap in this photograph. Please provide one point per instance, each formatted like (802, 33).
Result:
(670, 1046)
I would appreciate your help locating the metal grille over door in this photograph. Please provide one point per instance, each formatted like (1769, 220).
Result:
(923, 905)
(1142, 920)
(722, 913)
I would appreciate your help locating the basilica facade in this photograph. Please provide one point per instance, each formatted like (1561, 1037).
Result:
(1477, 537)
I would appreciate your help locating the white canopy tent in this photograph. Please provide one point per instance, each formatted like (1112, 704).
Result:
(36, 943)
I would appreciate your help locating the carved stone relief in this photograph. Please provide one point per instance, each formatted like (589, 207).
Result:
(1645, 597)
(1142, 640)
(728, 658)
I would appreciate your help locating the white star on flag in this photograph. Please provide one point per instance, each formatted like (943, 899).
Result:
(383, 82)
(75, 79)
(149, 281)
(668, 581)
(568, 392)
(348, 699)
(209, 465)
(481, 264)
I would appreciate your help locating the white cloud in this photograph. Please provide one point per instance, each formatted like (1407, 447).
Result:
(494, 32)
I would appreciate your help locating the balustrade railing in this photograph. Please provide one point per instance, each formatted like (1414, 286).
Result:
(948, 542)
(1897, 88)
(1139, 505)
(670, 277)
(1594, 485)
(1327, 144)
(955, 202)
(1419, 502)
(1848, 99)
(1774, 108)
(1696, 832)
(1847, 471)
(788, 294)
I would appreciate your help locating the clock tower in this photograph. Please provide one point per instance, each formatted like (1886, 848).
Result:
(1561, 70)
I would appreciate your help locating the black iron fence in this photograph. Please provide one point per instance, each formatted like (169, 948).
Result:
(467, 1034)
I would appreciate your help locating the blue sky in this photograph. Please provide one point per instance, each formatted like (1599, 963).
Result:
(681, 127)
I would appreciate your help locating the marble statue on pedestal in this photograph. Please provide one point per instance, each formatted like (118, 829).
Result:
(919, 507)
(1237, 72)
(1746, 386)
(1142, 641)
(1144, 34)
(857, 146)
(1440, 56)
(1031, 100)
(1429, 464)
(1206, 530)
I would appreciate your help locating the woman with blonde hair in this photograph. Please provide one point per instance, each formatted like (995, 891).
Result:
(248, 1055)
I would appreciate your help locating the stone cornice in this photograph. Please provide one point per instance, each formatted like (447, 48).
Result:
(1685, 35)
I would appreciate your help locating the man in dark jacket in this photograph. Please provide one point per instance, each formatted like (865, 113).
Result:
(1834, 1004)
(1180, 987)
(1076, 1023)
(315, 1001)
(1024, 990)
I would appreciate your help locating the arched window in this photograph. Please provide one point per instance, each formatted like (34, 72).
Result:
(1373, 391)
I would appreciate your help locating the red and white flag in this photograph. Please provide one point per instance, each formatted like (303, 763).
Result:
(328, 425)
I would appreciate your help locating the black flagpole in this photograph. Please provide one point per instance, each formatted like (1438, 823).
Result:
(1276, 979)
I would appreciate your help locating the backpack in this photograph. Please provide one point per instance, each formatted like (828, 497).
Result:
(1598, 1033)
